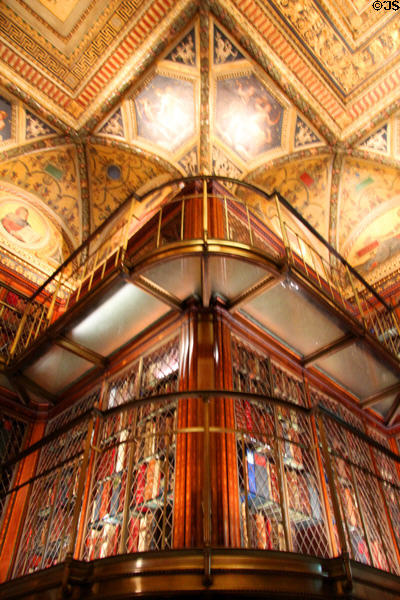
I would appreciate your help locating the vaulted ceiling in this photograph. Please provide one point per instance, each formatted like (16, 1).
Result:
(97, 98)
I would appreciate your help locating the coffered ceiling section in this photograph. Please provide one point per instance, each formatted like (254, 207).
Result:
(339, 61)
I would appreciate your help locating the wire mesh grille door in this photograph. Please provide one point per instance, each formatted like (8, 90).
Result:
(360, 497)
(280, 493)
(131, 498)
(48, 525)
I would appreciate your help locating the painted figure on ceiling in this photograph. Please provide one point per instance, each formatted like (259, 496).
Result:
(248, 117)
(375, 252)
(17, 224)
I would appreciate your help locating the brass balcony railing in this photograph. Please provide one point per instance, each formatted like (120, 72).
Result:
(135, 478)
(198, 208)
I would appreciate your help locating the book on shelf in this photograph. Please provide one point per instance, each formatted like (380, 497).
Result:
(274, 482)
(244, 525)
(140, 484)
(153, 474)
(293, 490)
(314, 501)
(259, 483)
(350, 507)
(359, 546)
(263, 530)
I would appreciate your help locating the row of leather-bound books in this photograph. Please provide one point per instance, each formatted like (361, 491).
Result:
(143, 533)
(260, 425)
(263, 533)
(263, 486)
(110, 493)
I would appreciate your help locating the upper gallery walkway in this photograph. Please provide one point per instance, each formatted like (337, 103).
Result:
(204, 237)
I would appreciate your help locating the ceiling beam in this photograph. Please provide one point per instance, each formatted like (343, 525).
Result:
(81, 351)
(156, 291)
(329, 349)
(380, 395)
(36, 388)
(264, 285)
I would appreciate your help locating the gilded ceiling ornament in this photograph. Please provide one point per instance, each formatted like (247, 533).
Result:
(190, 162)
(223, 166)
(185, 51)
(35, 127)
(114, 125)
(378, 141)
(304, 135)
(224, 50)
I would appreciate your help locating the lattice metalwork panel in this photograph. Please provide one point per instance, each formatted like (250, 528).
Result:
(73, 411)
(319, 399)
(124, 387)
(332, 524)
(351, 418)
(46, 536)
(131, 496)
(287, 387)
(12, 434)
(251, 370)
(65, 446)
(343, 442)
(160, 370)
(382, 439)
(362, 495)
(237, 225)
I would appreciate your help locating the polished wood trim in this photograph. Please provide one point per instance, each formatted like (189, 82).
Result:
(180, 573)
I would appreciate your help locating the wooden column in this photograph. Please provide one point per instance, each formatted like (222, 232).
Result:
(188, 521)
(225, 484)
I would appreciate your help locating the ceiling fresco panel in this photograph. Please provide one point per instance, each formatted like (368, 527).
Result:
(304, 183)
(114, 173)
(165, 112)
(52, 176)
(369, 217)
(248, 118)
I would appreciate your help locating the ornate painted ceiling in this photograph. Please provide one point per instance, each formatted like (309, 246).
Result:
(99, 97)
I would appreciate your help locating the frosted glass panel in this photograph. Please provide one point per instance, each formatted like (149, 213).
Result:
(123, 314)
(295, 317)
(181, 277)
(230, 277)
(359, 370)
(56, 369)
